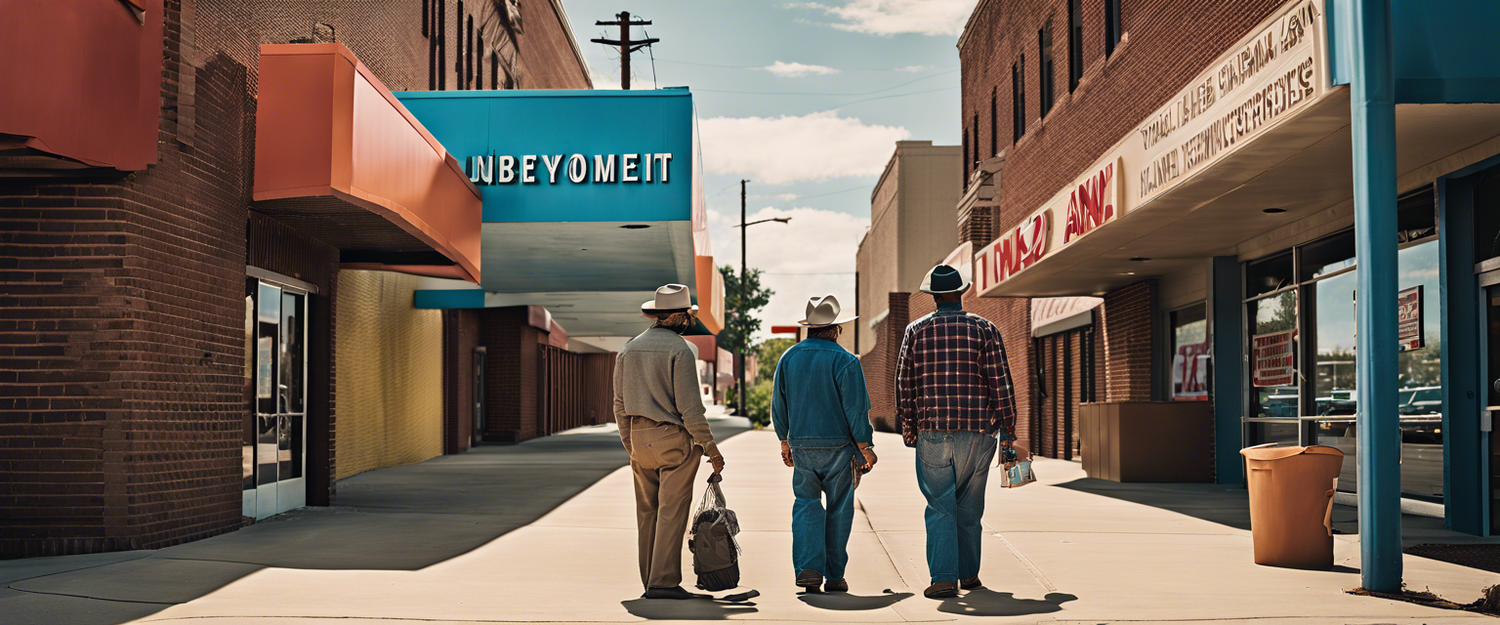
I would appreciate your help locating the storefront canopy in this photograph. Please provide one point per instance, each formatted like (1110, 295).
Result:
(592, 200)
(339, 157)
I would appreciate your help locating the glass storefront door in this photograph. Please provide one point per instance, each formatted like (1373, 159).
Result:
(276, 428)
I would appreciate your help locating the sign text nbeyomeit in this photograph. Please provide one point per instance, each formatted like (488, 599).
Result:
(575, 168)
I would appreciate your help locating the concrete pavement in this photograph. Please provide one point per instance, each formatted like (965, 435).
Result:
(1062, 551)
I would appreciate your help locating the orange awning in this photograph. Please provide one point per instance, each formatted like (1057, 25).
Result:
(340, 158)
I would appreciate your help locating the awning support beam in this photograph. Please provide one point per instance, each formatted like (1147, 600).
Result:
(1373, 116)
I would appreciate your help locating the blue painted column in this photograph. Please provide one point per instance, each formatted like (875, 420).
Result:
(1373, 116)
(1226, 331)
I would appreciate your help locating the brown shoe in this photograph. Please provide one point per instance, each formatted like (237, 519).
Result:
(810, 579)
(971, 583)
(836, 585)
(941, 590)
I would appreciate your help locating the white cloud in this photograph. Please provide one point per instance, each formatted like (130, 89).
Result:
(813, 255)
(913, 69)
(797, 70)
(779, 150)
(893, 17)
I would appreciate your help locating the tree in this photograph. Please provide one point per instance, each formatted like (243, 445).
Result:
(758, 398)
(737, 326)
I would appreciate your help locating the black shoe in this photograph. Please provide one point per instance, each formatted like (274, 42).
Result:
(971, 583)
(941, 590)
(675, 592)
(836, 585)
(810, 579)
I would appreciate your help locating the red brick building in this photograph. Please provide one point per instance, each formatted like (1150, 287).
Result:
(1190, 165)
(172, 332)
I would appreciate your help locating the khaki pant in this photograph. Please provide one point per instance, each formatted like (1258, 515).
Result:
(665, 462)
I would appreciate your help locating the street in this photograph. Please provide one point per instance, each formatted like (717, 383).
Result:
(1066, 550)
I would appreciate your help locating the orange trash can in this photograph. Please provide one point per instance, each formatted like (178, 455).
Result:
(1291, 503)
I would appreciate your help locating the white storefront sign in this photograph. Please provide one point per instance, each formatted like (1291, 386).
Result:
(1267, 77)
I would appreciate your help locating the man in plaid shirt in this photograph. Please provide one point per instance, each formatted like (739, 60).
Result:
(954, 399)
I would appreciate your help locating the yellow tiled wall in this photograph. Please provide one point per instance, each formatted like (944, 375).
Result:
(390, 374)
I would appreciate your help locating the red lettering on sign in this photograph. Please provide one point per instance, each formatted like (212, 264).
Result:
(1091, 204)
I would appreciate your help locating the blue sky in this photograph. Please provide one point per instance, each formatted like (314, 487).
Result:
(805, 99)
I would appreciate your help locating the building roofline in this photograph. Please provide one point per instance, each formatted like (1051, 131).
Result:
(964, 36)
(562, 16)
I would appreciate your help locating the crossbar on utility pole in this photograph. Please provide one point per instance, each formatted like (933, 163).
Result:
(626, 44)
(1377, 424)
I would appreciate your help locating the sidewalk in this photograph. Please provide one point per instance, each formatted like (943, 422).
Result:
(1061, 554)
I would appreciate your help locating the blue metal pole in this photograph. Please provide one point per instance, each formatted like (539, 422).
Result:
(1373, 115)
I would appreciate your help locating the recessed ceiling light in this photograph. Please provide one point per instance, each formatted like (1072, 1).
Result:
(1127, 273)
(1273, 211)
(1139, 259)
(635, 226)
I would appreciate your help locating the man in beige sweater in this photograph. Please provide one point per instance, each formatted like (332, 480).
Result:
(662, 424)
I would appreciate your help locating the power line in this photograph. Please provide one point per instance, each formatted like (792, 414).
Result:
(806, 93)
(809, 197)
(851, 69)
(897, 95)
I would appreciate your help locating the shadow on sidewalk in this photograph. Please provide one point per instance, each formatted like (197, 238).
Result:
(846, 602)
(1225, 505)
(403, 518)
(705, 609)
(986, 602)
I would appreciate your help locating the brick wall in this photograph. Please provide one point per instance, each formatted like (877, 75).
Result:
(460, 338)
(1127, 339)
(122, 315)
(510, 373)
(879, 364)
(1165, 43)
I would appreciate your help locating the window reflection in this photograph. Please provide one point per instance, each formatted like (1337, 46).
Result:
(1273, 348)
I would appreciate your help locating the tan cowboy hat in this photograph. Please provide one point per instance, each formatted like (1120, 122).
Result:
(824, 311)
(670, 298)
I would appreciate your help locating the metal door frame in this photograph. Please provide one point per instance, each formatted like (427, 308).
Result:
(281, 495)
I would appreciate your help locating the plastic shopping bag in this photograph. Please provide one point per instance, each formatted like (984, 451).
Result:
(716, 554)
(1017, 473)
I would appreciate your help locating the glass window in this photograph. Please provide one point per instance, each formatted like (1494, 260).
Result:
(268, 317)
(1327, 256)
(1190, 355)
(1333, 332)
(1274, 378)
(1420, 394)
(1271, 274)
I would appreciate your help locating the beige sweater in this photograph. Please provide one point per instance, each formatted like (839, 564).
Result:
(656, 377)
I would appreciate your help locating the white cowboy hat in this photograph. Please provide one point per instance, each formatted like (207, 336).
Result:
(670, 298)
(945, 279)
(824, 311)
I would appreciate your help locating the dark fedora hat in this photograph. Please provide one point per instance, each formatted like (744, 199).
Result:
(945, 279)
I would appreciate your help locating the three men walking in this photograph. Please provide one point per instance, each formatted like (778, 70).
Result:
(954, 402)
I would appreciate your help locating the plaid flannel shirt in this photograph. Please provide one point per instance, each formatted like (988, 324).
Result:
(952, 375)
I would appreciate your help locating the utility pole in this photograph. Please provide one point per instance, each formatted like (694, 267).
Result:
(626, 45)
(739, 393)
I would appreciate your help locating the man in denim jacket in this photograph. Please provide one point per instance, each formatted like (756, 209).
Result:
(820, 409)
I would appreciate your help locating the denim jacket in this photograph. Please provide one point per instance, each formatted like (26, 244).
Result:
(819, 397)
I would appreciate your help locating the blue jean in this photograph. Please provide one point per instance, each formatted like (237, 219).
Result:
(952, 470)
(820, 537)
